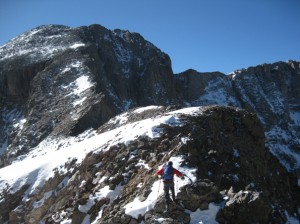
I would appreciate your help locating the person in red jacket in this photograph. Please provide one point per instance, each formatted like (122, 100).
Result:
(167, 172)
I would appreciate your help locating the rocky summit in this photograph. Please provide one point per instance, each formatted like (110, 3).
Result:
(88, 115)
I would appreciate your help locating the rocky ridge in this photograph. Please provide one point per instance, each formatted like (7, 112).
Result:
(250, 184)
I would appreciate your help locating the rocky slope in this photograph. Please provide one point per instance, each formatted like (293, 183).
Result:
(219, 149)
(59, 83)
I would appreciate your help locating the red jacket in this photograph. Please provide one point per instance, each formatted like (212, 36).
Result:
(161, 172)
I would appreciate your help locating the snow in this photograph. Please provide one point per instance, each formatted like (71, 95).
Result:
(39, 45)
(12, 121)
(193, 111)
(143, 164)
(82, 84)
(76, 64)
(104, 192)
(216, 93)
(77, 45)
(236, 153)
(283, 148)
(184, 140)
(124, 55)
(79, 101)
(295, 116)
(290, 219)
(126, 104)
(205, 216)
(143, 109)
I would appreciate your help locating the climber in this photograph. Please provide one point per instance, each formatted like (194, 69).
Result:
(167, 172)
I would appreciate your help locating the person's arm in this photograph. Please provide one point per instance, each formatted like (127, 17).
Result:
(160, 172)
(178, 173)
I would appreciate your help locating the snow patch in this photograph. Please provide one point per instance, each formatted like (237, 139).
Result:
(79, 101)
(126, 104)
(76, 64)
(216, 93)
(295, 117)
(143, 109)
(205, 216)
(77, 45)
(236, 153)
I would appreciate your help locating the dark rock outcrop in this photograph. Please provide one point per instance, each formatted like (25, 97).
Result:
(246, 207)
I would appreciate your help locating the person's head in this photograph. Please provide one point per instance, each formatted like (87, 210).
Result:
(170, 163)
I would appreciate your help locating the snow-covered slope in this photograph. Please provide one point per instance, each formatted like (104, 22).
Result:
(52, 153)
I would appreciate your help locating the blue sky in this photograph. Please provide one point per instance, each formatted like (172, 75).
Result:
(206, 35)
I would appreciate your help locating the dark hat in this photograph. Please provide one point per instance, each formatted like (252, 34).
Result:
(170, 163)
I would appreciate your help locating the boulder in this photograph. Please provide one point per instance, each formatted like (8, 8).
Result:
(245, 207)
(199, 195)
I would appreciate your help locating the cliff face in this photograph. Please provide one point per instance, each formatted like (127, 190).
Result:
(269, 90)
(58, 85)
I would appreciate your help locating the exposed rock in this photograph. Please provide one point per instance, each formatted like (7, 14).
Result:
(175, 215)
(245, 207)
(199, 195)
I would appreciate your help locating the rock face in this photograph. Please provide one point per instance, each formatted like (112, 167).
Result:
(55, 80)
(58, 82)
(246, 207)
(269, 90)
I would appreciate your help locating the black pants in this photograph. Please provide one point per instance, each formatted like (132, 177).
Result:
(169, 186)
